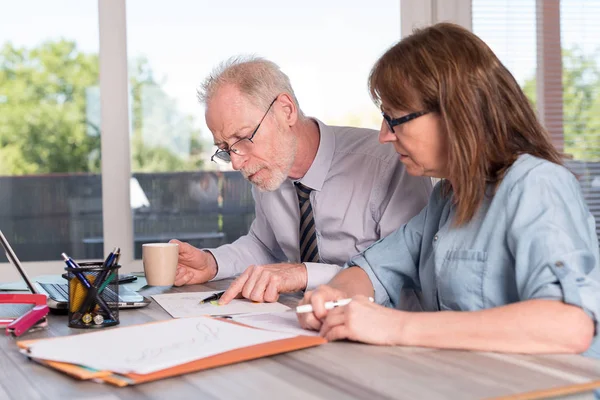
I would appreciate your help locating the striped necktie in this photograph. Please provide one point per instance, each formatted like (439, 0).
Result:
(309, 252)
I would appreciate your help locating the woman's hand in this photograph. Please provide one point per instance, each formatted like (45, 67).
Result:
(317, 299)
(364, 321)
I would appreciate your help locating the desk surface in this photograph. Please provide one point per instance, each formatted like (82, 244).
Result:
(334, 370)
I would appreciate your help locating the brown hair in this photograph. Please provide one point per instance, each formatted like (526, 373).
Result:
(486, 116)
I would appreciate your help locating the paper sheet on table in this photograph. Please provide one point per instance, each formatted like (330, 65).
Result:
(279, 322)
(152, 347)
(181, 305)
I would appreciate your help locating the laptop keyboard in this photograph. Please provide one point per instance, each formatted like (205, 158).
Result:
(60, 291)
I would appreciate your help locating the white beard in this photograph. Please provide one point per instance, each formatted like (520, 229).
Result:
(278, 172)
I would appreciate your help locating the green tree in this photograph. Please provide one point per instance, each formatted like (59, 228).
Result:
(42, 113)
(49, 115)
(162, 138)
(581, 103)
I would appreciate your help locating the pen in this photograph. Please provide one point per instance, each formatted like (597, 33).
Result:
(73, 265)
(110, 260)
(212, 297)
(106, 282)
(118, 257)
(306, 308)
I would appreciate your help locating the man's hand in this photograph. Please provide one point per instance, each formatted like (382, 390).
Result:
(194, 265)
(263, 283)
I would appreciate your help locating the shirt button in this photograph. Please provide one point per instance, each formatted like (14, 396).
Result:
(435, 238)
(559, 264)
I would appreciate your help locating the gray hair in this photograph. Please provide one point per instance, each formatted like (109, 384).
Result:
(262, 80)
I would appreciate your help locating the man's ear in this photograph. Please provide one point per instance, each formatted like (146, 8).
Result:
(290, 111)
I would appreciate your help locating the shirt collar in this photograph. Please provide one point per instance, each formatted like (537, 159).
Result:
(316, 174)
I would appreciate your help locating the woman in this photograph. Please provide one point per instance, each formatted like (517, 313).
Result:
(505, 255)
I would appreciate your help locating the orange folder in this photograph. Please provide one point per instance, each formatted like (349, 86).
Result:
(229, 357)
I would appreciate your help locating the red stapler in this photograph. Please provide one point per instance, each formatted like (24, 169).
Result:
(36, 317)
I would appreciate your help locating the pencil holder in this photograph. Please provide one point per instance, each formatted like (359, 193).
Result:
(93, 295)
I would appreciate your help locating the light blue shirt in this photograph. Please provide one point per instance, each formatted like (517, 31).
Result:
(533, 239)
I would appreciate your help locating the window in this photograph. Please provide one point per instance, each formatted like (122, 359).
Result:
(509, 28)
(50, 182)
(327, 50)
(580, 49)
(553, 49)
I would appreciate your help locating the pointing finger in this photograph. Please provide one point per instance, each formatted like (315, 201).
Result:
(235, 288)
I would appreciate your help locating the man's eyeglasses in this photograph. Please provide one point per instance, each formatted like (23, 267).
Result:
(242, 146)
(402, 120)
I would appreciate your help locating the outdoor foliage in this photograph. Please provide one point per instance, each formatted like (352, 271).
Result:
(581, 104)
(50, 115)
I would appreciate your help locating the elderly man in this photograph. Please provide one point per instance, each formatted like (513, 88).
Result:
(322, 193)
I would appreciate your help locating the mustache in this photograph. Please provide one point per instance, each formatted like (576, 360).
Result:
(246, 172)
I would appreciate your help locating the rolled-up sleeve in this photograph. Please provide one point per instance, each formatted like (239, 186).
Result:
(552, 236)
(391, 263)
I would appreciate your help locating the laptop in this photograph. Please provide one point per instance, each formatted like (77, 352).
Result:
(58, 293)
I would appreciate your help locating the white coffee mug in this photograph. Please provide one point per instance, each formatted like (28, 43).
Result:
(160, 263)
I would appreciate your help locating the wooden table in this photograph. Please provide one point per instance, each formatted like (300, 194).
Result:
(340, 370)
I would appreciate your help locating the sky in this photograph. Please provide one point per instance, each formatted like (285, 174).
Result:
(326, 47)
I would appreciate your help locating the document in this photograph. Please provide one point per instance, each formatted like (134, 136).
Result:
(148, 348)
(181, 305)
(278, 322)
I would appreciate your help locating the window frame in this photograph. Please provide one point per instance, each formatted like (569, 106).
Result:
(117, 218)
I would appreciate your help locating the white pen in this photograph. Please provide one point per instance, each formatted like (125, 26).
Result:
(306, 308)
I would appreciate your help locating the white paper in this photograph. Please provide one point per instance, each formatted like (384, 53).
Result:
(181, 305)
(152, 347)
(278, 322)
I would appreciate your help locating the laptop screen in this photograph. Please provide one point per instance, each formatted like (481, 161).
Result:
(12, 258)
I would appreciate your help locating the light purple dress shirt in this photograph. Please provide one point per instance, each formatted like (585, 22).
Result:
(361, 193)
